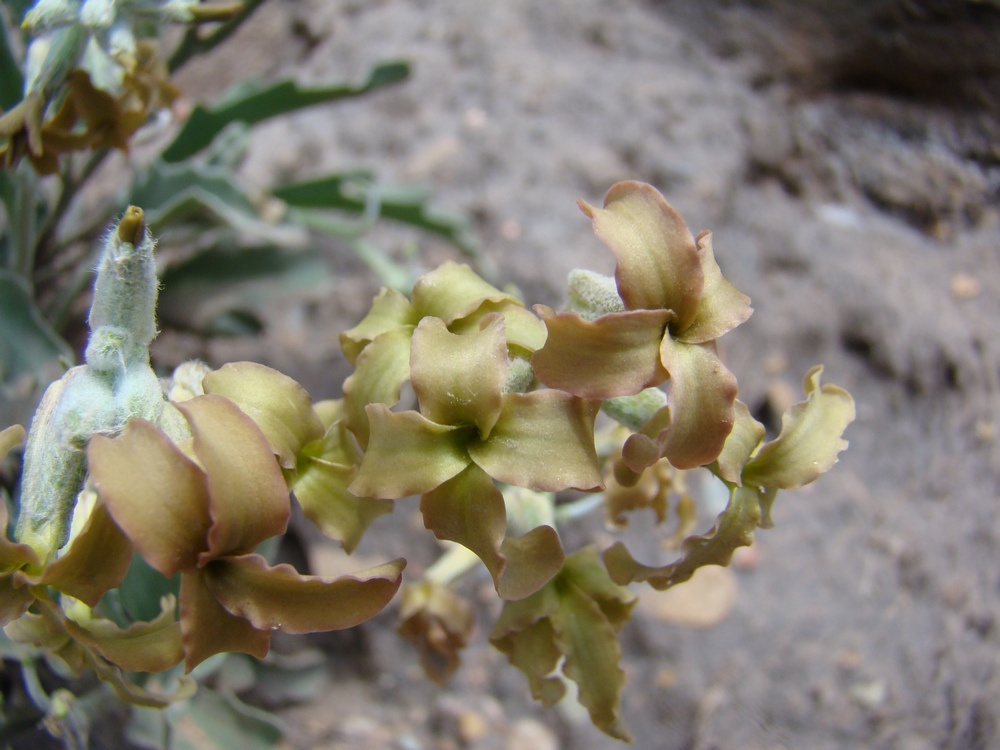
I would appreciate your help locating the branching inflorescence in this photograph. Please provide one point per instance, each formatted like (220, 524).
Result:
(196, 472)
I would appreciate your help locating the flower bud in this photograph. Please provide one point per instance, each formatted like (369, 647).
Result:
(592, 295)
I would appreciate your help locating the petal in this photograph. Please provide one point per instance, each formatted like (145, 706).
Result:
(458, 379)
(543, 440)
(155, 494)
(248, 497)
(279, 598)
(722, 306)
(10, 437)
(522, 327)
(453, 291)
(614, 355)
(15, 598)
(733, 528)
(321, 488)
(13, 555)
(209, 629)
(691, 430)
(380, 372)
(280, 406)
(658, 264)
(740, 445)
(439, 622)
(408, 455)
(469, 510)
(811, 437)
(390, 311)
(94, 562)
(142, 647)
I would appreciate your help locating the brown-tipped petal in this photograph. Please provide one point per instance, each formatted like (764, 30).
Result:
(740, 445)
(15, 598)
(458, 379)
(248, 497)
(702, 392)
(390, 311)
(543, 440)
(616, 355)
(658, 264)
(152, 646)
(279, 598)
(279, 405)
(95, 561)
(811, 437)
(722, 306)
(155, 494)
(209, 629)
(453, 291)
(408, 455)
(380, 372)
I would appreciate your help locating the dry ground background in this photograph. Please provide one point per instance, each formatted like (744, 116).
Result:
(846, 155)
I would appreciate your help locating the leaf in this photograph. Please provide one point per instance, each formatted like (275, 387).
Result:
(27, 341)
(228, 292)
(356, 192)
(11, 80)
(215, 721)
(252, 104)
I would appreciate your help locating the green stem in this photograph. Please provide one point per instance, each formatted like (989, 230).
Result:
(192, 44)
(452, 565)
(578, 508)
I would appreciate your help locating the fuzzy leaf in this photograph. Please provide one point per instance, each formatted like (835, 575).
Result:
(155, 494)
(408, 455)
(279, 598)
(811, 437)
(543, 440)
(458, 379)
(614, 355)
(658, 265)
(280, 406)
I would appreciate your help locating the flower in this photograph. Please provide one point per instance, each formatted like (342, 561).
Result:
(201, 509)
(676, 304)
(467, 433)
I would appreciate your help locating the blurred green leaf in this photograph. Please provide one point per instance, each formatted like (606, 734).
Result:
(143, 587)
(11, 80)
(27, 342)
(356, 192)
(251, 104)
(213, 721)
(192, 198)
(223, 293)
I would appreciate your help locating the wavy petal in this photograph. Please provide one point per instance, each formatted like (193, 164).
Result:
(248, 497)
(658, 264)
(390, 311)
(722, 306)
(614, 355)
(208, 628)
(700, 405)
(522, 327)
(380, 372)
(408, 454)
(152, 646)
(279, 405)
(95, 561)
(543, 440)
(10, 437)
(458, 379)
(811, 437)
(279, 598)
(742, 442)
(155, 494)
(453, 291)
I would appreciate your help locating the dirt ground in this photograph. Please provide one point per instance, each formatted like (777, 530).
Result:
(846, 156)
